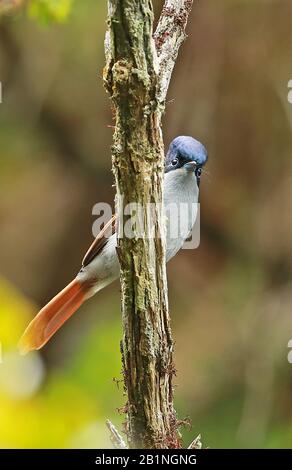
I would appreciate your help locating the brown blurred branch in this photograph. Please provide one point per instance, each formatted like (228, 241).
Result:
(137, 78)
(8, 6)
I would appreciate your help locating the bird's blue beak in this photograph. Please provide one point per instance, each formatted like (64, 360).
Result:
(190, 166)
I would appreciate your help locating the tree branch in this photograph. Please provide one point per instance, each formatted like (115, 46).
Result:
(196, 443)
(117, 440)
(137, 77)
(168, 37)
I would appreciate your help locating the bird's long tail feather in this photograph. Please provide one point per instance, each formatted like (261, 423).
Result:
(53, 316)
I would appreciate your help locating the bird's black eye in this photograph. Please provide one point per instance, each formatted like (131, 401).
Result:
(198, 172)
(174, 162)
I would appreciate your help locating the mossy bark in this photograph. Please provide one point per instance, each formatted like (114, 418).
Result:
(130, 77)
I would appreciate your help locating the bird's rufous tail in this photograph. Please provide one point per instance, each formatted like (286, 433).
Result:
(52, 316)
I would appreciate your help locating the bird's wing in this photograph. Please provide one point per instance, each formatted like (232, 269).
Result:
(100, 241)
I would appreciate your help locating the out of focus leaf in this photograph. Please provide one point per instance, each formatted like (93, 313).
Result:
(15, 313)
(47, 11)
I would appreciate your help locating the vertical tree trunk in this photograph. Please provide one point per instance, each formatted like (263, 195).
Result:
(132, 80)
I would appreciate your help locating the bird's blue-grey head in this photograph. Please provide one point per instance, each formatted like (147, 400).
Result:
(188, 153)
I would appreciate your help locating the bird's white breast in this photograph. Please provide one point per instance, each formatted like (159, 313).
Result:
(180, 209)
(180, 205)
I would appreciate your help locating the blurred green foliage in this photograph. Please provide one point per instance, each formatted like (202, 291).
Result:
(47, 11)
(57, 408)
(44, 11)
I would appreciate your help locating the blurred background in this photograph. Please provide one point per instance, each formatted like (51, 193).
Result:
(230, 299)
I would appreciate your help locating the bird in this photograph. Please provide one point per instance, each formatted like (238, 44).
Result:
(184, 162)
